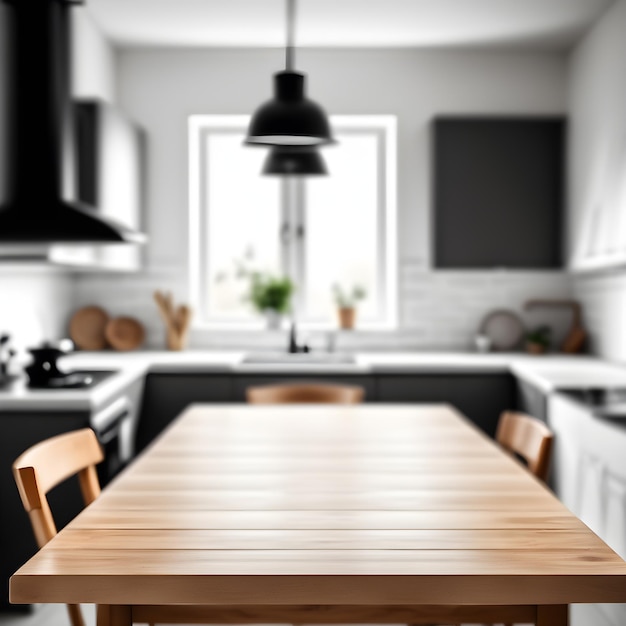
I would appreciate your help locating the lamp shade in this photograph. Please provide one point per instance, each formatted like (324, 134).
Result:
(289, 119)
(295, 161)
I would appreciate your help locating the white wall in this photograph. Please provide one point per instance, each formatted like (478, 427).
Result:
(93, 64)
(162, 87)
(597, 102)
(3, 102)
(35, 301)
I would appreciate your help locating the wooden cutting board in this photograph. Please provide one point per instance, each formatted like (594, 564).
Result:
(125, 333)
(87, 328)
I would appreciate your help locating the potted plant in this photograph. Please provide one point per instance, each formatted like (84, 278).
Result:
(538, 340)
(268, 294)
(346, 302)
(271, 296)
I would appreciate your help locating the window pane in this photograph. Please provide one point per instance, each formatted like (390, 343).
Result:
(342, 227)
(242, 221)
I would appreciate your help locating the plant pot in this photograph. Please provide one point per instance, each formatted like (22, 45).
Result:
(347, 317)
(273, 318)
(532, 347)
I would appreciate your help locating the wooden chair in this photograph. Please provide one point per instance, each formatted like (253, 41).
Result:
(43, 467)
(527, 438)
(306, 394)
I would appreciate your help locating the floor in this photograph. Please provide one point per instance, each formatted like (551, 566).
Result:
(52, 615)
(49, 615)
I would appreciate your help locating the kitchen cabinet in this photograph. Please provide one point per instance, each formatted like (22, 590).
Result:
(167, 395)
(498, 192)
(531, 400)
(589, 471)
(19, 431)
(113, 418)
(481, 397)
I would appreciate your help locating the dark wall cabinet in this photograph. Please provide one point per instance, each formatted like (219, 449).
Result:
(498, 192)
(480, 397)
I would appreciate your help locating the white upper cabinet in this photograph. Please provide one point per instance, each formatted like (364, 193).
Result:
(597, 145)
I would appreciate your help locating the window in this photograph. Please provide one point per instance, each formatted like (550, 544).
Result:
(319, 231)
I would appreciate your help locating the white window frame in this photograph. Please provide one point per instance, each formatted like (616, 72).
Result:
(386, 126)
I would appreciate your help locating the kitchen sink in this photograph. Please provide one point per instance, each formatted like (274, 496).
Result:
(300, 358)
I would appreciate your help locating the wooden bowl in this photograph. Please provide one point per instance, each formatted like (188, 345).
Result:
(125, 333)
(87, 328)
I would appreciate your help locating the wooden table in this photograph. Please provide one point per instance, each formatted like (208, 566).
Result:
(324, 514)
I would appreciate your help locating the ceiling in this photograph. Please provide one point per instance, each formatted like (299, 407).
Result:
(348, 23)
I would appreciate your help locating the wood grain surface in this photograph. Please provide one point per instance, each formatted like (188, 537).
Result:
(351, 508)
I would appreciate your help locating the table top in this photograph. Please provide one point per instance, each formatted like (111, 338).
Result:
(322, 504)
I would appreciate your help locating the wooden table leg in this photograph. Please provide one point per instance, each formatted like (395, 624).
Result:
(76, 616)
(553, 615)
(103, 615)
(114, 615)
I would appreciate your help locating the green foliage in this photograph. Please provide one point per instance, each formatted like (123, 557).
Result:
(270, 292)
(540, 335)
(265, 291)
(348, 299)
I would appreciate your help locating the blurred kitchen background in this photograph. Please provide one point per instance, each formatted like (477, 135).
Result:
(161, 63)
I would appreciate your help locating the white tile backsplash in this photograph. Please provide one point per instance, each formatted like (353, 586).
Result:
(34, 302)
(438, 310)
(604, 300)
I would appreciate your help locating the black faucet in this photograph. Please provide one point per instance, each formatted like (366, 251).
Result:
(294, 348)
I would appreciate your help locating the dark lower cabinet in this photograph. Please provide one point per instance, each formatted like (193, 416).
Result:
(480, 397)
(166, 396)
(19, 431)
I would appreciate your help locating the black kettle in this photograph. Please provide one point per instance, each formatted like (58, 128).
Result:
(44, 369)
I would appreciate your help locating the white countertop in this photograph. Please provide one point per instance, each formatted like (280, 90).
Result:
(547, 372)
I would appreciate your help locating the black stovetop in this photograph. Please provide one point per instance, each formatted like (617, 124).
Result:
(79, 379)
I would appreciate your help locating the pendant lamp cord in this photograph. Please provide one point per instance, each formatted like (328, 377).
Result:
(291, 27)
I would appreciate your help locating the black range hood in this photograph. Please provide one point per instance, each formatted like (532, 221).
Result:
(39, 206)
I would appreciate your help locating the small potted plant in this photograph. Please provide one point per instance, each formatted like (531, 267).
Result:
(538, 340)
(346, 302)
(271, 296)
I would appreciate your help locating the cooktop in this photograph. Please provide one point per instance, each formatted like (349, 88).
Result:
(603, 402)
(79, 379)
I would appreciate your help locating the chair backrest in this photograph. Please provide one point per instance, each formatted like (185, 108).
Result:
(49, 463)
(305, 394)
(527, 437)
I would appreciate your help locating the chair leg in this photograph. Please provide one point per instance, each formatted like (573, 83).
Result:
(76, 616)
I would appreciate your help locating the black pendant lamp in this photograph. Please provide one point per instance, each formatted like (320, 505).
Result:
(289, 119)
(294, 161)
